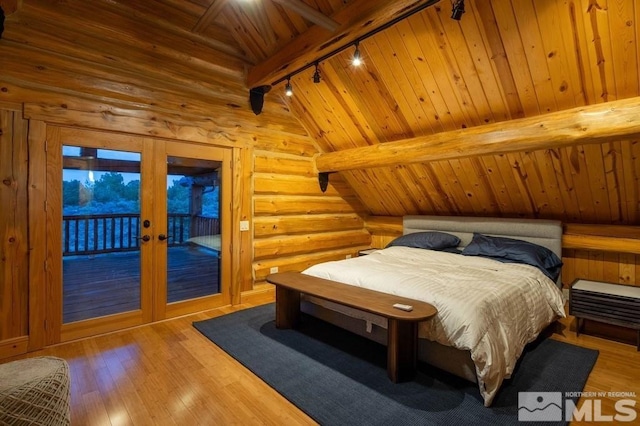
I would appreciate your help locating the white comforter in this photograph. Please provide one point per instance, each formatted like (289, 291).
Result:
(490, 308)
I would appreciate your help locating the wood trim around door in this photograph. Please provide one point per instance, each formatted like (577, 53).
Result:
(45, 298)
(56, 330)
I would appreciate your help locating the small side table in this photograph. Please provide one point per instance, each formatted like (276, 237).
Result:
(616, 304)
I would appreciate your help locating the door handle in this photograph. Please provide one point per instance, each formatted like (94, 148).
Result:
(145, 238)
(163, 237)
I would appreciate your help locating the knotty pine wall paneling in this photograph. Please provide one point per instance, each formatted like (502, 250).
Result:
(14, 237)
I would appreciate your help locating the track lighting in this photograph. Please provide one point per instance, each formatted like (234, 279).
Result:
(288, 90)
(356, 61)
(458, 10)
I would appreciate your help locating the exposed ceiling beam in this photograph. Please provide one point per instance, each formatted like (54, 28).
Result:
(310, 14)
(590, 124)
(602, 230)
(101, 165)
(601, 243)
(177, 166)
(209, 15)
(356, 19)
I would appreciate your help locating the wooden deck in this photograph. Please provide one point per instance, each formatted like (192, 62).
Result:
(110, 283)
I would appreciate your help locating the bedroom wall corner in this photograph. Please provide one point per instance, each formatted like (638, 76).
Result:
(383, 229)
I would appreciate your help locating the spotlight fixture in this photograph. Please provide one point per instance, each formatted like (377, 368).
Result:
(316, 75)
(458, 10)
(356, 61)
(288, 90)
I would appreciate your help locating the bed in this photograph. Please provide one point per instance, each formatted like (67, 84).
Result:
(488, 310)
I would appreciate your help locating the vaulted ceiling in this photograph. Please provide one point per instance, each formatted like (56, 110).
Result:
(428, 74)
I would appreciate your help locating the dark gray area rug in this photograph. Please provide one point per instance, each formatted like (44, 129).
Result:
(339, 378)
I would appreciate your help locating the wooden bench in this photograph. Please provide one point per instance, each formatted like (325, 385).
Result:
(402, 330)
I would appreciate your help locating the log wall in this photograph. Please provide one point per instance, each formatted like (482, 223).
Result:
(132, 68)
(296, 225)
(154, 80)
(293, 224)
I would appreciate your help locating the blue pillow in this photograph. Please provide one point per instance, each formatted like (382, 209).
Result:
(516, 251)
(426, 240)
(454, 250)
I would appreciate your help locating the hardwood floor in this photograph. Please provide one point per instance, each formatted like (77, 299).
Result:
(167, 373)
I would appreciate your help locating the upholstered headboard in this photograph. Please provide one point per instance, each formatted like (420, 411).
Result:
(547, 233)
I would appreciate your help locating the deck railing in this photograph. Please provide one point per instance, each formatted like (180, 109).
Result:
(108, 233)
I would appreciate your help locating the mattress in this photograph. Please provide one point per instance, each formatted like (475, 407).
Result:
(488, 308)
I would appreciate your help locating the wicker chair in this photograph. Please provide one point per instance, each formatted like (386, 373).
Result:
(35, 391)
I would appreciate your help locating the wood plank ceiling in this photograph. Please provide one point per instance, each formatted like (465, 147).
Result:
(505, 59)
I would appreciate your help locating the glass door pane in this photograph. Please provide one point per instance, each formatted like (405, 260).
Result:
(101, 232)
(193, 228)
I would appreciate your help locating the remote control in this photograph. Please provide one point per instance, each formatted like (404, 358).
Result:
(403, 307)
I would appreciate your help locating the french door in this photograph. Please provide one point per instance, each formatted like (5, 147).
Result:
(193, 187)
(139, 230)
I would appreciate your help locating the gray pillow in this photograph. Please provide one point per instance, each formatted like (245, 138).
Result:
(426, 240)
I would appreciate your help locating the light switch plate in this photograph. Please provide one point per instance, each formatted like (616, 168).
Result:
(273, 270)
(244, 225)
